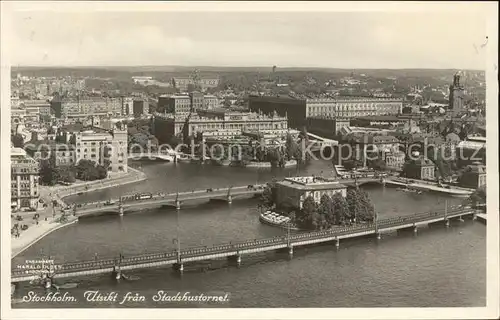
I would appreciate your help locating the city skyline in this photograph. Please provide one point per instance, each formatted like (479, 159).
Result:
(370, 40)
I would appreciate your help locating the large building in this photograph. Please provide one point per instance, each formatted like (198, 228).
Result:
(456, 97)
(291, 192)
(100, 145)
(63, 154)
(421, 169)
(78, 108)
(166, 127)
(140, 107)
(183, 83)
(24, 180)
(194, 101)
(299, 109)
(364, 147)
(292, 108)
(353, 107)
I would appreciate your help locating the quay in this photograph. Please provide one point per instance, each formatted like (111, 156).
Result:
(234, 251)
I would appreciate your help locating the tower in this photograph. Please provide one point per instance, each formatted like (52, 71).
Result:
(456, 94)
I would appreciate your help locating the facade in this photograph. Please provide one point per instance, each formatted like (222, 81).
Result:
(285, 106)
(292, 192)
(456, 97)
(89, 107)
(166, 127)
(140, 107)
(100, 145)
(351, 107)
(366, 146)
(474, 176)
(299, 109)
(128, 106)
(24, 180)
(64, 154)
(421, 169)
(183, 104)
(42, 107)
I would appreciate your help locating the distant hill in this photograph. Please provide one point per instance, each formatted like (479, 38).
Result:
(170, 71)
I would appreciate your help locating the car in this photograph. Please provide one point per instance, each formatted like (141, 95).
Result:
(210, 190)
(250, 186)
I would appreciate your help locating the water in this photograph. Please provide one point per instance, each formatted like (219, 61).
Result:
(438, 267)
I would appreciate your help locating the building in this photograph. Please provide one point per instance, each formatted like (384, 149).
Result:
(140, 107)
(64, 154)
(78, 108)
(299, 109)
(291, 192)
(364, 147)
(456, 97)
(285, 106)
(166, 127)
(351, 107)
(183, 104)
(41, 107)
(474, 176)
(142, 80)
(127, 106)
(183, 83)
(421, 169)
(24, 180)
(99, 145)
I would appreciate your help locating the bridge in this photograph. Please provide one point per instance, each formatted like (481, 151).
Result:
(234, 251)
(151, 156)
(131, 202)
(322, 139)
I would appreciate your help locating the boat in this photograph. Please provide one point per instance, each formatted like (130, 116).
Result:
(409, 190)
(276, 220)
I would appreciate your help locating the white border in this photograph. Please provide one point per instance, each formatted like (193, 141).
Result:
(492, 309)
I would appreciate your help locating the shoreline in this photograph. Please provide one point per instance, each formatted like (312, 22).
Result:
(137, 177)
(57, 226)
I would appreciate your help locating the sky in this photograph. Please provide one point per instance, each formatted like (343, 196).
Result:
(245, 39)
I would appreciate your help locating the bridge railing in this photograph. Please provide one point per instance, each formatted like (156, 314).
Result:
(202, 250)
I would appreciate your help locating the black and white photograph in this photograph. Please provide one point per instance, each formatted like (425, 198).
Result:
(180, 160)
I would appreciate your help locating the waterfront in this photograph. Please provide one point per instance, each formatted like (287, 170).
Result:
(438, 267)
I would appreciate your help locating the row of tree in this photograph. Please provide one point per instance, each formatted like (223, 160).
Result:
(86, 170)
(356, 207)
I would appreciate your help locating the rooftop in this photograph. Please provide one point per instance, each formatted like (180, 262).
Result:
(311, 183)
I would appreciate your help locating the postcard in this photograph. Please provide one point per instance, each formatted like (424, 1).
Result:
(239, 160)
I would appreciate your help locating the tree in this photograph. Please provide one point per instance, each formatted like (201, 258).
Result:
(17, 140)
(354, 203)
(48, 172)
(351, 164)
(307, 215)
(88, 170)
(66, 173)
(378, 164)
(326, 211)
(341, 208)
(367, 210)
(102, 172)
(268, 197)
